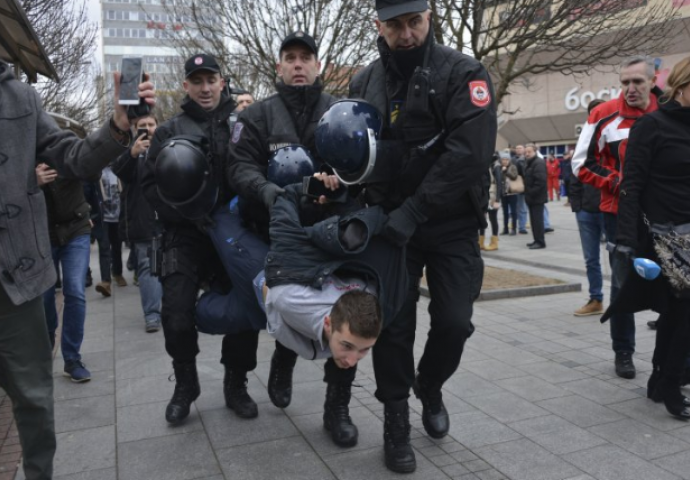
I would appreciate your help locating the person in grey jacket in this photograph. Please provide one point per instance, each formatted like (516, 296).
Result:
(29, 137)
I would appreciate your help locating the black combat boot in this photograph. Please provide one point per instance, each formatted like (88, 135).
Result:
(280, 377)
(186, 391)
(336, 415)
(236, 396)
(434, 415)
(396, 437)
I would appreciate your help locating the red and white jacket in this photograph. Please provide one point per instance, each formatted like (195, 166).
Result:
(600, 151)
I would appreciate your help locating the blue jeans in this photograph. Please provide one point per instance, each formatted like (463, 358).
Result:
(243, 255)
(522, 212)
(591, 226)
(74, 260)
(547, 222)
(150, 288)
(622, 324)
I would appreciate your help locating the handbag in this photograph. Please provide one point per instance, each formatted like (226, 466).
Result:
(672, 246)
(515, 186)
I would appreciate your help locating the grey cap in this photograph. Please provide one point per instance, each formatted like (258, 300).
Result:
(505, 154)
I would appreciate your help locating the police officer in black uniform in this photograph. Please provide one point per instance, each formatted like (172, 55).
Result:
(188, 254)
(287, 118)
(440, 117)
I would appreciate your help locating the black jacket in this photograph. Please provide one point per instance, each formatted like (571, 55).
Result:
(446, 181)
(583, 196)
(305, 253)
(193, 120)
(535, 181)
(137, 218)
(68, 211)
(287, 118)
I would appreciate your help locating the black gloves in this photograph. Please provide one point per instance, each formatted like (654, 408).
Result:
(403, 222)
(268, 192)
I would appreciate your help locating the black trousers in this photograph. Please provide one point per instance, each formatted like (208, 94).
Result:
(536, 219)
(197, 261)
(113, 232)
(673, 339)
(454, 273)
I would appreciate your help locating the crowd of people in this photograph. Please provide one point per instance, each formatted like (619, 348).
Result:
(242, 216)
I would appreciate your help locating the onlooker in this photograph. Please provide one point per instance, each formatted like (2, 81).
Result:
(535, 194)
(566, 173)
(243, 101)
(138, 221)
(92, 194)
(553, 170)
(509, 201)
(110, 216)
(519, 161)
(494, 204)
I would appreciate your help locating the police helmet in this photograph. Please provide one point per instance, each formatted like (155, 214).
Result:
(289, 165)
(346, 139)
(184, 177)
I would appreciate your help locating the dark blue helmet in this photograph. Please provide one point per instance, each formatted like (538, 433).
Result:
(346, 139)
(289, 165)
(184, 178)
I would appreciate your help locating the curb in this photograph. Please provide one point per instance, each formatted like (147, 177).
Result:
(521, 291)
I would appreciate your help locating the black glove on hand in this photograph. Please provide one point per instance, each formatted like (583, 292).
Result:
(268, 192)
(623, 258)
(403, 222)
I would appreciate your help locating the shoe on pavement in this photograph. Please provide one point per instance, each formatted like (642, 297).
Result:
(104, 289)
(336, 415)
(153, 326)
(236, 396)
(434, 414)
(400, 457)
(625, 368)
(592, 307)
(76, 371)
(549, 230)
(523, 232)
(120, 280)
(280, 378)
(537, 246)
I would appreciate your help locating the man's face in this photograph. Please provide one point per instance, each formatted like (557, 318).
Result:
(204, 88)
(636, 85)
(530, 152)
(149, 123)
(243, 101)
(298, 65)
(520, 150)
(406, 31)
(347, 349)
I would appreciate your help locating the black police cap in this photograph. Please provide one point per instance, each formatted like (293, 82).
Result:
(198, 62)
(387, 9)
(300, 37)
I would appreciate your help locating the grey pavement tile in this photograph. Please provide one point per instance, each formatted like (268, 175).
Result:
(149, 365)
(289, 459)
(105, 474)
(645, 411)
(532, 389)
(556, 435)
(473, 355)
(524, 460)
(137, 422)
(135, 391)
(573, 343)
(101, 384)
(465, 385)
(370, 432)
(490, 474)
(476, 465)
(550, 347)
(552, 372)
(305, 371)
(96, 362)
(609, 462)
(359, 464)
(84, 450)
(506, 407)
(452, 403)
(678, 463)
(175, 457)
(642, 440)
(478, 429)
(454, 470)
(515, 356)
(309, 397)
(580, 411)
(86, 412)
(98, 344)
(225, 429)
(579, 357)
(599, 391)
(493, 370)
(442, 460)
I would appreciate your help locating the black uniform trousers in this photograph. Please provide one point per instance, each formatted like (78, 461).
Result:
(536, 218)
(197, 261)
(673, 339)
(454, 272)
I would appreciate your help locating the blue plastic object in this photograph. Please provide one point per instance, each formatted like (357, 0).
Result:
(646, 268)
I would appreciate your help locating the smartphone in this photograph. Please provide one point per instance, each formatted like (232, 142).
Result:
(144, 132)
(132, 71)
(314, 188)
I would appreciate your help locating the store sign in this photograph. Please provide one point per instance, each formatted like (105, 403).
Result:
(575, 99)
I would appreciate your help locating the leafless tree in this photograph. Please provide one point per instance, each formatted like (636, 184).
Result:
(69, 40)
(517, 39)
(245, 35)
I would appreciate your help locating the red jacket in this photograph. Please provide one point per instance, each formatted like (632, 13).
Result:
(600, 151)
(553, 168)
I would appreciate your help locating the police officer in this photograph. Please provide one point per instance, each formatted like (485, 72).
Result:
(188, 255)
(288, 117)
(439, 111)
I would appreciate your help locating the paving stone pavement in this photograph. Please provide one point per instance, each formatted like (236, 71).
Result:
(535, 398)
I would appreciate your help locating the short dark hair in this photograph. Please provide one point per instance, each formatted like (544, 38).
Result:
(146, 116)
(361, 311)
(593, 104)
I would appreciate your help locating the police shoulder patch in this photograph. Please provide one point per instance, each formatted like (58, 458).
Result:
(479, 93)
(237, 131)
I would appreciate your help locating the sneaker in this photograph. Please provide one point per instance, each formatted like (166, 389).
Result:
(77, 371)
(120, 280)
(153, 326)
(592, 307)
(625, 368)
